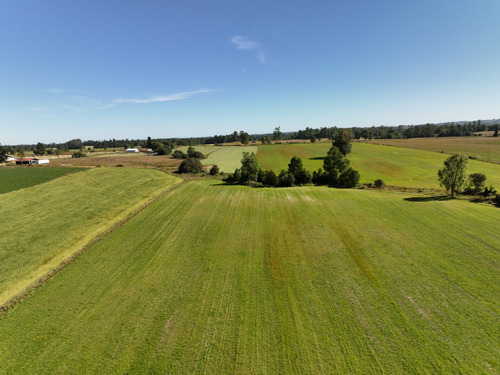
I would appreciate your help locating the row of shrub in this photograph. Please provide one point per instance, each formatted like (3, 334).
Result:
(335, 172)
(191, 153)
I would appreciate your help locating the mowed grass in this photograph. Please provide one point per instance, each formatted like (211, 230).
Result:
(394, 165)
(277, 157)
(227, 158)
(482, 148)
(218, 279)
(43, 225)
(20, 177)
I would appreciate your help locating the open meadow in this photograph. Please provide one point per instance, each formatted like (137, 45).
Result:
(228, 279)
(43, 225)
(481, 148)
(394, 165)
(227, 158)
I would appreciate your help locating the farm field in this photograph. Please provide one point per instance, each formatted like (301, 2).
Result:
(395, 165)
(227, 158)
(15, 178)
(482, 148)
(228, 279)
(43, 225)
(136, 160)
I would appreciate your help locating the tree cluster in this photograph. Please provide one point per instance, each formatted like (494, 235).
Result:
(336, 171)
(251, 174)
(453, 177)
(451, 129)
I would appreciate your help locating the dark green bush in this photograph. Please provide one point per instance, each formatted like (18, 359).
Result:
(178, 154)
(214, 170)
(190, 165)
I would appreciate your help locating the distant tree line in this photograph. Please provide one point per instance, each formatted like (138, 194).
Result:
(164, 146)
(403, 131)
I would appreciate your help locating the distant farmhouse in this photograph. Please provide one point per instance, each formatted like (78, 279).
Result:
(31, 161)
(132, 150)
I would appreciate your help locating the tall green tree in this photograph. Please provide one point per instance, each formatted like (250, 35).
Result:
(277, 135)
(39, 149)
(453, 176)
(249, 167)
(342, 140)
(244, 138)
(337, 172)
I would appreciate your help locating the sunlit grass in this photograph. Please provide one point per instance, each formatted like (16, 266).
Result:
(228, 279)
(43, 225)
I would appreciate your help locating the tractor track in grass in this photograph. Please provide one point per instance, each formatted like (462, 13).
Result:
(49, 275)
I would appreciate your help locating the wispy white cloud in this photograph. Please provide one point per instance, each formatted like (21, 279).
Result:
(164, 98)
(245, 43)
(36, 109)
(78, 103)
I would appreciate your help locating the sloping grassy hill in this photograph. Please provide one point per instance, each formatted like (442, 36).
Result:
(228, 279)
(395, 165)
(482, 148)
(43, 225)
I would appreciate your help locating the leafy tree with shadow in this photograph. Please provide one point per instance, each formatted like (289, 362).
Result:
(453, 176)
(249, 168)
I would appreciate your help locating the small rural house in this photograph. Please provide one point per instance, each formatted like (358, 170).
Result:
(132, 150)
(31, 161)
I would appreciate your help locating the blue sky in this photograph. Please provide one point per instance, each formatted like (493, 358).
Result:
(101, 69)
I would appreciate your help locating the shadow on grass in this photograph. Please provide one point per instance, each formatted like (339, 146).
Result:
(429, 199)
(318, 158)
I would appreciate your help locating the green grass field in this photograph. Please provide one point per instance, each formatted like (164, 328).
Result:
(227, 158)
(15, 178)
(395, 165)
(482, 148)
(214, 279)
(43, 225)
